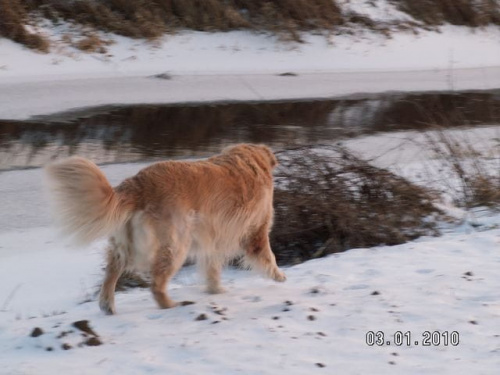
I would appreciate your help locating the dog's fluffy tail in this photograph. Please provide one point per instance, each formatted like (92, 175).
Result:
(84, 204)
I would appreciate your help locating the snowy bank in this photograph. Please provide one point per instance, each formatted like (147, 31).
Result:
(244, 66)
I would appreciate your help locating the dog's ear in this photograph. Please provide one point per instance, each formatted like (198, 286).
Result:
(261, 150)
(270, 155)
(232, 149)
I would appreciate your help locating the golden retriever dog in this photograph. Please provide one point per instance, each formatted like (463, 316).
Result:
(212, 210)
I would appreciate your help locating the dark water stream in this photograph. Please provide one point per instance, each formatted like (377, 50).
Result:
(149, 132)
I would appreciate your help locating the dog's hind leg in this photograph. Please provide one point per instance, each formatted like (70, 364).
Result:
(258, 255)
(168, 260)
(114, 269)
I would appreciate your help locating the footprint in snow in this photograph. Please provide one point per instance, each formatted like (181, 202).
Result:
(357, 287)
(424, 271)
(252, 298)
(154, 316)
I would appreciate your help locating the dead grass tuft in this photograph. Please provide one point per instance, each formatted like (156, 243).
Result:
(152, 18)
(485, 190)
(457, 12)
(91, 43)
(13, 18)
(328, 200)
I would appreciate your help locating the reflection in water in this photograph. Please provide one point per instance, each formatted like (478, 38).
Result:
(146, 132)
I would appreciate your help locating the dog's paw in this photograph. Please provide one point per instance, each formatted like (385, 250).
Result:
(215, 290)
(107, 308)
(163, 301)
(168, 305)
(279, 276)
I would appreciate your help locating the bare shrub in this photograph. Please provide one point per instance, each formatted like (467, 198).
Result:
(328, 200)
(485, 190)
(474, 183)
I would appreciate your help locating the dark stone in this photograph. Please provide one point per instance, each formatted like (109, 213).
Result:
(93, 341)
(220, 311)
(162, 76)
(202, 317)
(36, 332)
(83, 325)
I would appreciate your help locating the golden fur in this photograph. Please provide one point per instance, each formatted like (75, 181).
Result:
(213, 210)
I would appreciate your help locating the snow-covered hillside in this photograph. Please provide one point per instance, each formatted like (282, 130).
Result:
(243, 52)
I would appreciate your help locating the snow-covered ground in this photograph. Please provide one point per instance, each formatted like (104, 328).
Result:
(318, 320)
(448, 284)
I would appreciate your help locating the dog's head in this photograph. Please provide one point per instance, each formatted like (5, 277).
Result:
(258, 152)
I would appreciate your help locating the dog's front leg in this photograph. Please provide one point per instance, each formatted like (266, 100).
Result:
(212, 268)
(258, 255)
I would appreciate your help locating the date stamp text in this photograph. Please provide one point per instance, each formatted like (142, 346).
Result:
(407, 338)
